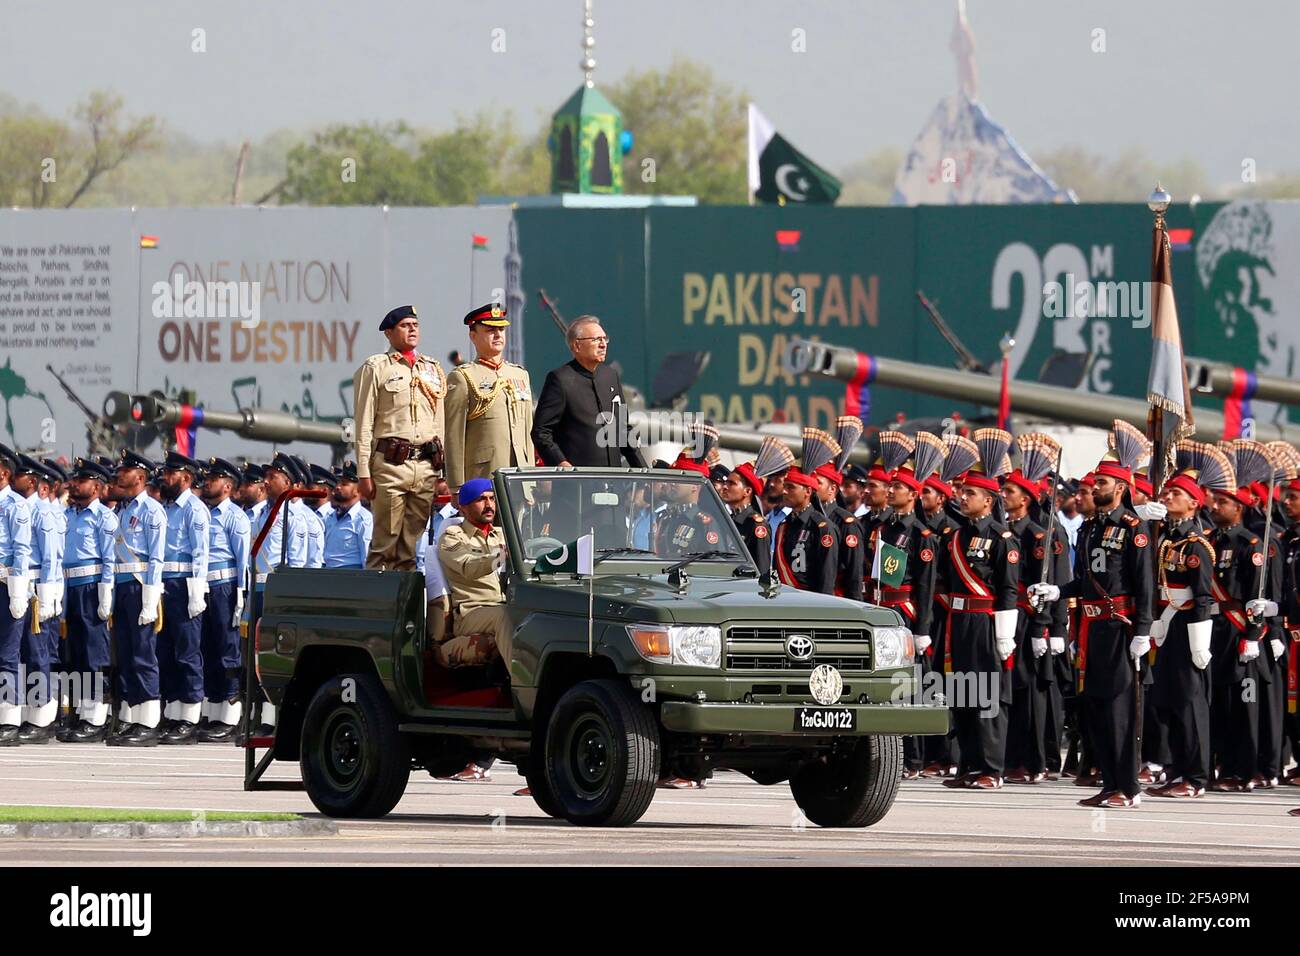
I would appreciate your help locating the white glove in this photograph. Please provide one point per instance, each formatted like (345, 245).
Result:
(17, 596)
(1198, 639)
(1056, 645)
(150, 598)
(1040, 594)
(58, 597)
(197, 589)
(47, 596)
(1151, 511)
(1261, 608)
(105, 600)
(1159, 631)
(922, 643)
(1073, 651)
(1278, 648)
(1004, 631)
(239, 607)
(1139, 646)
(1038, 645)
(1250, 651)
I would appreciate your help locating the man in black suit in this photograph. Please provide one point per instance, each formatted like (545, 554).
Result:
(579, 420)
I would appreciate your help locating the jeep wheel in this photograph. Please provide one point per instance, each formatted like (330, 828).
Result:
(602, 754)
(534, 770)
(855, 788)
(354, 762)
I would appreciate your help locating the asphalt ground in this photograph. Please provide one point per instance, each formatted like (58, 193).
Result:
(732, 822)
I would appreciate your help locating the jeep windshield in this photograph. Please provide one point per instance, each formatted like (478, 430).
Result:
(653, 516)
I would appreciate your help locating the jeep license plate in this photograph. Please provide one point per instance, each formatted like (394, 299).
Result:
(825, 718)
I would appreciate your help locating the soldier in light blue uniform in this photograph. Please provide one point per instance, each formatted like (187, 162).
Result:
(229, 539)
(40, 702)
(251, 495)
(281, 475)
(348, 525)
(15, 560)
(137, 601)
(89, 560)
(185, 598)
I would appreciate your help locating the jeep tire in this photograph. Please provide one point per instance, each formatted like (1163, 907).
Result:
(853, 788)
(602, 754)
(354, 762)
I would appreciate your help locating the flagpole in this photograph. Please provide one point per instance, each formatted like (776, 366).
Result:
(472, 257)
(591, 599)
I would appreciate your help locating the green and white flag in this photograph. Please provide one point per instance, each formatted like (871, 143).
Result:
(576, 557)
(779, 173)
(889, 566)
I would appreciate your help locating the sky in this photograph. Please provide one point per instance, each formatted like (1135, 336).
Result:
(1208, 80)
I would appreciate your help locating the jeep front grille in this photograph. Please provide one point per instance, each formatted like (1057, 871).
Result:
(764, 648)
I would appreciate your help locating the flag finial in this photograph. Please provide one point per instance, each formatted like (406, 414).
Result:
(1159, 200)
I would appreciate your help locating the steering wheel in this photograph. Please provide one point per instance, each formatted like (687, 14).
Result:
(534, 548)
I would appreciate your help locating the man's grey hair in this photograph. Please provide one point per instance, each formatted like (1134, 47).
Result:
(575, 327)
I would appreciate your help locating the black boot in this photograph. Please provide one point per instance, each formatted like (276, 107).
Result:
(31, 734)
(135, 735)
(85, 733)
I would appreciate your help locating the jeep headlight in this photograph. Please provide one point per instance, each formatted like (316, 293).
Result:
(691, 646)
(891, 646)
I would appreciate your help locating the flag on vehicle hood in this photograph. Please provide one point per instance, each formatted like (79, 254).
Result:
(779, 173)
(576, 557)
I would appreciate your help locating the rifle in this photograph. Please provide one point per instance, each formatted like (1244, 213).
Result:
(99, 431)
(554, 313)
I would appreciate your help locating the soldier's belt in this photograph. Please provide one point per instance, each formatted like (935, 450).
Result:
(970, 604)
(175, 567)
(4, 573)
(131, 567)
(398, 451)
(221, 574)
(85, 571)
(1180, 598)
(1116, 607)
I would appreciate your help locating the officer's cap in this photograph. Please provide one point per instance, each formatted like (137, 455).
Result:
(27, 465)
(399, 313)
(155, 478)
(348, 472)
(84, 468)
(175, 461)
(474, 489)
(253, 473)
(490, 314)
(856, 473)
(321, 475)
(719, 473)
(55, 468)
(8, 457)
(220, 468)
(287, 466)
(132, 459)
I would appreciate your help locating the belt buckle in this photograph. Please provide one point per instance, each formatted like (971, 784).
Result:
(1091, 610)
(958, 602)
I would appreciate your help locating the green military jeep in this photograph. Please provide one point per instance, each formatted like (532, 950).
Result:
(671, 660)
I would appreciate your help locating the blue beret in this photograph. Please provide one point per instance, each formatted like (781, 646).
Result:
(399, 313)
(474, 489)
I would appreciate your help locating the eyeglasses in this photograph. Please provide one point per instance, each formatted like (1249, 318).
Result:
(598, 339)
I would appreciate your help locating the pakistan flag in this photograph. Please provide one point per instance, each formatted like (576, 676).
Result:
(779, 173)
(576, 557)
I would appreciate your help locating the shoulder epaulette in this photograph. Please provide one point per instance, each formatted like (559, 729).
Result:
(1131, 519)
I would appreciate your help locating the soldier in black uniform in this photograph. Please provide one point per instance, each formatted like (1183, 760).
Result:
(1181, 689)
(848, 579)
(913, 597)
(683, 528)
(807, 546)
(1112, 585)
(1240, 670)
(1290, 616)
(740, 491)
(876, 500)
(1036, 630)
(980, 571)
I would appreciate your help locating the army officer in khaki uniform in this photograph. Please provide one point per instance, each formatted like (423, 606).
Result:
(489, 405)
(399, 397)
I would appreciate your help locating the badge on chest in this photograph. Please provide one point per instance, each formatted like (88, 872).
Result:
(1113, 538)
(979, 548)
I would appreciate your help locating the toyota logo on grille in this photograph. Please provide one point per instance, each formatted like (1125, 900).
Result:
(799, 647)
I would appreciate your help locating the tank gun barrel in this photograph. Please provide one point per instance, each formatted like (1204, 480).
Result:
(1218, 378)
(256, 424)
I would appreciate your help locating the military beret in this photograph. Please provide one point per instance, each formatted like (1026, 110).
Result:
(55, 468)
(175, 461)
(253, 473)
(320, 475)
(84, 468)
(220, 468)
(133, 459)
(490, 314)
(8, 457)
(395, 316)
(473, 490)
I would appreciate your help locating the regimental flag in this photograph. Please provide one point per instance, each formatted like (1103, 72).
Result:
(576, 557)
(1168, 394)
(779, 173)
(889, 566)
(148, 242)
(479, 242)
(187, 429)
